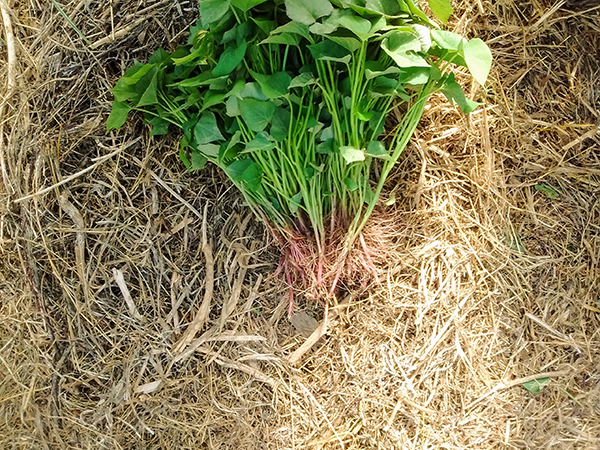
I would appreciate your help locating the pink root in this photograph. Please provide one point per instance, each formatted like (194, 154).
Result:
(290, 290)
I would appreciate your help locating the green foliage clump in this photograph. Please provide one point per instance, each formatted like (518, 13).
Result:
(289, 98)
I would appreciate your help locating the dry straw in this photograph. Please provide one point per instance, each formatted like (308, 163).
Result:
(138, 303)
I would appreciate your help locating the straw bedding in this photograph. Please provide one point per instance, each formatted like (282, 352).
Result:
(139, 304)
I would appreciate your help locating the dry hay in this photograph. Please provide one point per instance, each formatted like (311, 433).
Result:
(124, 259)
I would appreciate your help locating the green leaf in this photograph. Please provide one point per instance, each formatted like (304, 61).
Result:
(327, 133)
(212, 98)
(118, 115)
(415, 76)
(303, 80)
(245, 5)
(370, 197)
(198, 160)
(209, 150)
(134, 74)
(149, 97)
(283, 38)
(514, 241)
(536, 386)
(294, 202)
(442, 9)
(447, 39)
(207, 130)
(281, 124)
(352, 154)
(159, 126)
(416, 12)
(213, 10)
(376, 149)
(232, 106)
(254, 91)
(364, 116)
(230, 58)
(256, 114)
(548, 190)
(183, 145)
(479, 59)
(388, 8)
(323, 29)
(423, 34)
(123, 92)
(247, 172)
(401, 47)
(194, 30)
(188, 127)
(327, 50)
(307, 11)
(349, 43)
(204, 79)
(359, 26)
(293, 28)
(260, 142)
(455, 95)
(351, 184)
(326, 147)
(375, 69)
(159, 56)
(376, 124)
(230, 149)
(233, 33)
(273, 86)
(267, 26)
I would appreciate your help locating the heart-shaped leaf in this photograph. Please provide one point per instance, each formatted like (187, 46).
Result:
(376, 149)
(402, 47)
(352, 154)
(246, 5)
(118, 115)
(442, 9)
(261, 142)
(213, 10)
(207, 130)
(307, 11)
(256, 114)
(455, 94)
(273, 86)
(247, 172)
(479, 59)
(229, 60)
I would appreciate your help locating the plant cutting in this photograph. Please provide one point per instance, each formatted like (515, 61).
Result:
(289, 98)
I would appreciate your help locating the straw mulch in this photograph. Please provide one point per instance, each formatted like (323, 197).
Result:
(139, 304)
